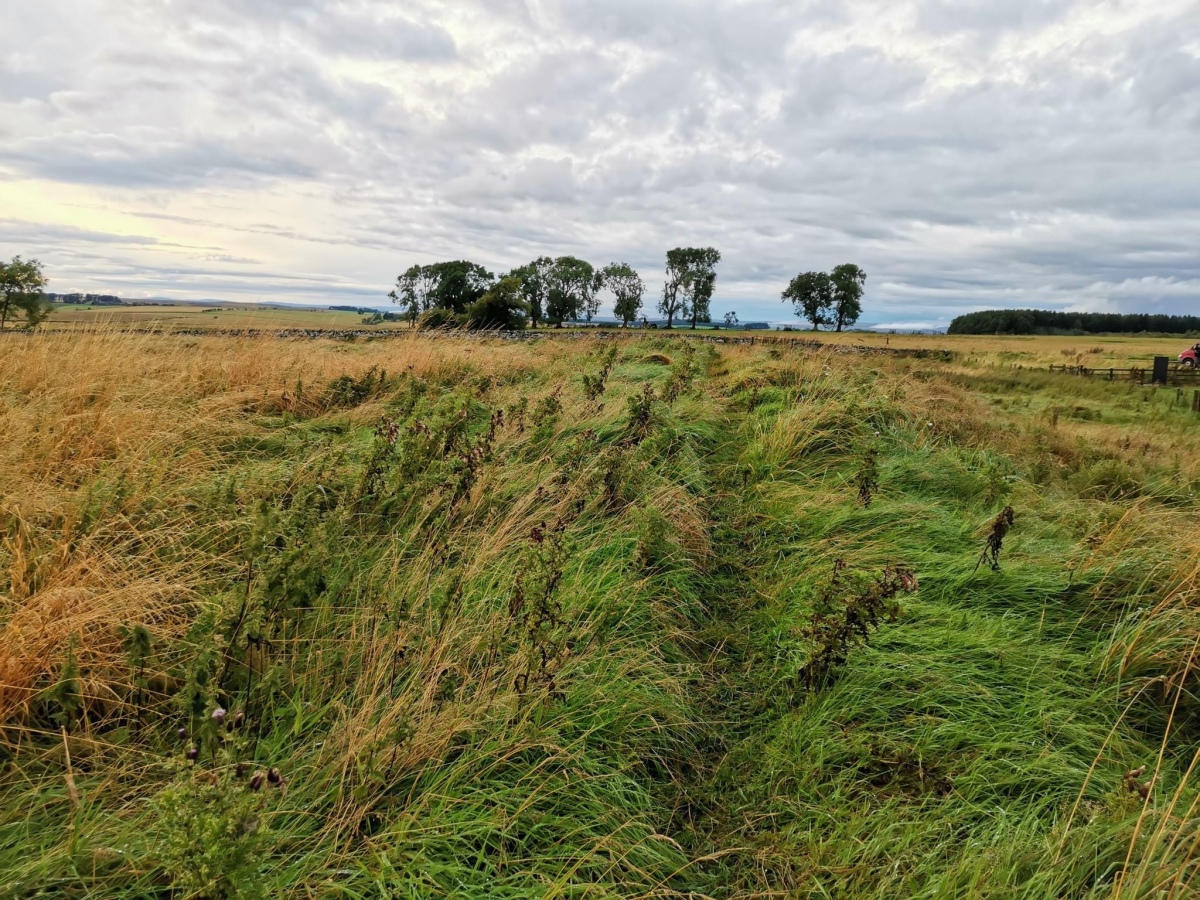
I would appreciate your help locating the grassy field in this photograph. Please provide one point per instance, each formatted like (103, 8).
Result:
(200, 317)
(435, 617)
(1011, 351)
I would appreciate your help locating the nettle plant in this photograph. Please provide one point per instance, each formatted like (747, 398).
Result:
(994, 545)
(866, 479)
(848, 609)
(595, 385)
(210, 830)
(535, 613)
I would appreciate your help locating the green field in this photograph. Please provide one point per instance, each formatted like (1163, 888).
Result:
(592, 619)
(67, 315)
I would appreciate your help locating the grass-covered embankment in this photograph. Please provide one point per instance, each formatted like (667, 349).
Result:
(532, 621)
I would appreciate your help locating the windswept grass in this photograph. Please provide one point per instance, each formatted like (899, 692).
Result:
(438, 617)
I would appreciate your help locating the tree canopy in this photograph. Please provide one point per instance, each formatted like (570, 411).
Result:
(573, 284)
(811, 295)
(452, 285)
(501, 307)
(21, 285)
(1044, 321)
(534, 278)
(848, 280)
(688, 286)
(828, 298)
(627, 286)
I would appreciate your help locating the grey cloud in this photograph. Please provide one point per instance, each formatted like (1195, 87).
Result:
(989, 17)
(790, 135)
(36, 233)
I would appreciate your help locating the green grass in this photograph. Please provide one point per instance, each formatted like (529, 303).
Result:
(557, 654)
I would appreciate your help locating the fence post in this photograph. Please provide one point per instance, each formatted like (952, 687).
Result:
(1196, 401)
(1160, 370)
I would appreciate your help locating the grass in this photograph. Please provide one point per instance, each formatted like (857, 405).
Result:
(483, 627)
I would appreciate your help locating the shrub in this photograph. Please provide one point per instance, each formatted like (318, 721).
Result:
(501, 307)
(439, 318)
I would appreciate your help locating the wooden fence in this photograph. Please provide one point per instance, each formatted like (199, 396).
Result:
(1176, 374)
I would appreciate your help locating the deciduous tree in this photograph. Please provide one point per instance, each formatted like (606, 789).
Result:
(459, 283)
(689, 283)
(701, 282)
(674, 296)
(627, 285)
(21, 285)
(811, 294)
(535, 286)
(573, 286)
(453, 285)
(501, 307)
(848, 280)
(414, 291)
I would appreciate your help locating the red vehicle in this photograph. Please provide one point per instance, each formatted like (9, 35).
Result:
(1190, 358)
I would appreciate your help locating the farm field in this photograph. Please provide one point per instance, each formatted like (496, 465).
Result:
(990, 350)
(200, 317)
(476, 618)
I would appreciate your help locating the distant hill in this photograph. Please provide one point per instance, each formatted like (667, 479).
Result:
(1041, 321)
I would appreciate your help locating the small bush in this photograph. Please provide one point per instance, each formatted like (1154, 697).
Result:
(209, 835)
(346, 391)
(439, 318)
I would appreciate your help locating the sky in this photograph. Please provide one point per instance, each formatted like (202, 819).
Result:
(967, 154)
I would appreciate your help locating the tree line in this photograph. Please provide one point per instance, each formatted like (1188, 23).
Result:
(546, 291)
(552, 290)
(1041, 321)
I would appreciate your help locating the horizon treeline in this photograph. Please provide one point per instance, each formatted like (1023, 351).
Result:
(1040, 321)
(552, 290)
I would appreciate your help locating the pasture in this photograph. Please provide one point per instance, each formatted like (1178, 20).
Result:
(457, 616)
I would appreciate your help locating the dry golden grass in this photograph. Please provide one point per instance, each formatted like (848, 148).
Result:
(1030, 351)
(142, 417)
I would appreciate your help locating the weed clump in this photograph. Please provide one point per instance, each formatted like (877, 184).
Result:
(848, 610)
(534, 609)
(867, 478)
(346, 391)
(641, 415)
(995, 539)
(594, 385)
(210, 832)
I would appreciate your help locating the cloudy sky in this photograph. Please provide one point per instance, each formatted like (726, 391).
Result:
(967, 153)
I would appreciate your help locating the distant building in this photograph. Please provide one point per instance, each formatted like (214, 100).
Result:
(753, 326)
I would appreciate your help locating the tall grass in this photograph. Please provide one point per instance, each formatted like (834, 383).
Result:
(437, 617)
